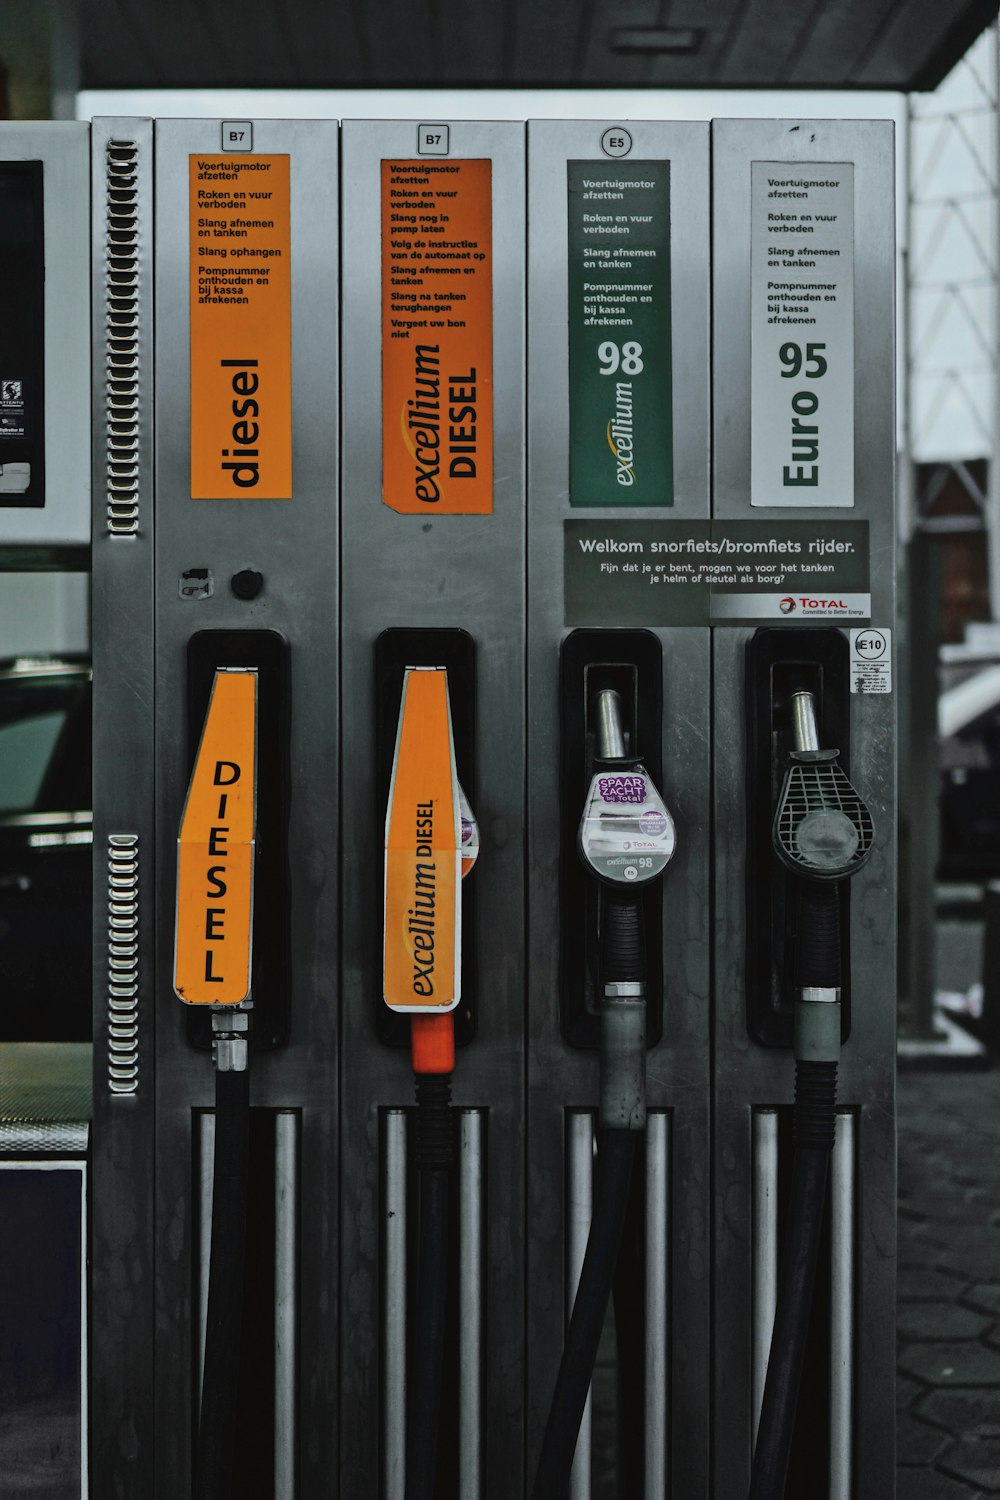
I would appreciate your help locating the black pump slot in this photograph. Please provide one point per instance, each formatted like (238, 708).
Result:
(780, 662)
(395, 650)
(630, 662)
(271, 973)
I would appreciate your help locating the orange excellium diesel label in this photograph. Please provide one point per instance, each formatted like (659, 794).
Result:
(215, 850)
(421, 968)
(437, 337)
(241, 328)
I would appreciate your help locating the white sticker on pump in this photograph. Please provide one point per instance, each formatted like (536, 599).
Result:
(871, 661)
(802, 334)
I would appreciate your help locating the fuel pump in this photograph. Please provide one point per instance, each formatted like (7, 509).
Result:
(822, 834)
(626, 838)
(431, 842)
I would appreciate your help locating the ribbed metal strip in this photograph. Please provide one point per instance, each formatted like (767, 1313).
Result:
(122, 382)
(123, 962)
(44, 1137)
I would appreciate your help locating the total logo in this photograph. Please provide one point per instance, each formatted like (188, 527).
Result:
(788, 605)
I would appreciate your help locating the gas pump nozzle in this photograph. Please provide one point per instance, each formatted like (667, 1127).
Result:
(626, 835)
(822, 828)
(431, 844)
(213, 963)
(822, 833)
(626, 838)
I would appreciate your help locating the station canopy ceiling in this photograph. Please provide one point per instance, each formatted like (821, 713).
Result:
(867, 44)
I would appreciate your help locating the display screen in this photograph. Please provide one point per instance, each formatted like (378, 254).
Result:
(22, 335)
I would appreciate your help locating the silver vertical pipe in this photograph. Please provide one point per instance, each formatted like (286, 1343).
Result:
(579, 1213)
(394, 1319)
(206, 1186)
(470, 1348)
(804, 726)
(610, 731)
(764, 1241)
(286, 1218)
(657, 1303)
(842, 1231)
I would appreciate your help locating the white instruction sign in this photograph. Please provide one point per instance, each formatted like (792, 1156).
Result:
(871, 661)
(802, 334)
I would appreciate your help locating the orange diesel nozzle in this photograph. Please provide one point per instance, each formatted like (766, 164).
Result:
(431, 842)
(213, 958)
(421, 969)
(215, 850)
(432, 1038)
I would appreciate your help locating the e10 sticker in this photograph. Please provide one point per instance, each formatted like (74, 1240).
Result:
(871, 661)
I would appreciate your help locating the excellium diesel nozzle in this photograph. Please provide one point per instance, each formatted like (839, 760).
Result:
(432, 842)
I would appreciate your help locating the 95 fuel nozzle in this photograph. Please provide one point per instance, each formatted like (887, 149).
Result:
(822, 834)
(822, 828)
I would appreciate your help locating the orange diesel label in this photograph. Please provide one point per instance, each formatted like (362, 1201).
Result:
(423, 915)
(215, 850)
(437, 337)
(241, 328)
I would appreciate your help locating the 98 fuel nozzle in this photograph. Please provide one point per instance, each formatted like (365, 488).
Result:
(626, 835)
(626, 838)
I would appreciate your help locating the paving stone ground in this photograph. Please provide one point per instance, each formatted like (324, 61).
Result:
(948, 1321)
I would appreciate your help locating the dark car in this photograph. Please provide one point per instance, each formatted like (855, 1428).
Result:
(46, 838)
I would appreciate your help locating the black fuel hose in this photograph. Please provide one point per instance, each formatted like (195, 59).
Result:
(614, 1175)
(623, 957)
(629, 1302)
(623, 938)
(622, 961)
(221, 1374)
(814, 1124)
(433, 1159)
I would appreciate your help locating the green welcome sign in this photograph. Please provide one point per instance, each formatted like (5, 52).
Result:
(621, 440)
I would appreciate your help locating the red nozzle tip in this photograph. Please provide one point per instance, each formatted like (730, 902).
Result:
(432, 1043)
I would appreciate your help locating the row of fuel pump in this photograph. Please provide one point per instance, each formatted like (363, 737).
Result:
(492, 540)
(821, 835)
